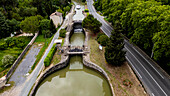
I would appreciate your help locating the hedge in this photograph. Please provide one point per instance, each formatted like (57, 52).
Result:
(86, 10)
(63, 33)
(50, 55)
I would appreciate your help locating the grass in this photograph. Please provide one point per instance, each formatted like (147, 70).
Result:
(56, 58)
(62, 42)
(116, 74)
(40, 40)
(14, 51)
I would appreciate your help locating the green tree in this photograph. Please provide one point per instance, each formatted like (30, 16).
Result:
(44, 24)
(114, 53)
(14, 25)
(63, 33)
(30, 24)
(92, 24)
(7, 60)
(52, 27)
(47, 33)
(4, 27)
(103, 39)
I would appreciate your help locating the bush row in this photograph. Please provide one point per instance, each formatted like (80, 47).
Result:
(49, 57)
(11, 42)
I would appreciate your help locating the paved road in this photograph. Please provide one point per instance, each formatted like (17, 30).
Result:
(155, 81)
(19, 76)
(32, 78)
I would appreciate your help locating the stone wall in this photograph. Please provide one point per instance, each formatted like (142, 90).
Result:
(53, 69)
(20, 57)
(89, 64)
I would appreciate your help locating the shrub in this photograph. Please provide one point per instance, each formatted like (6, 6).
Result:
(7, 60)
(47, 33)
(103, 40)
(3, 45)
(86, 10)
(99, 34)
(63, 33)
(49, 57)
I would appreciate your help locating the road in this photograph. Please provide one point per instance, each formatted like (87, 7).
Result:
(155, 81)
(33, 76)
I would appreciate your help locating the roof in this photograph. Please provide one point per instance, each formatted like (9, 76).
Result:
(59, 41)
(58, 13)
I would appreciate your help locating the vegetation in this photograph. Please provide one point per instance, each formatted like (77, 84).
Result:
(12, 47)
(31, 24)
(86, 10)
(117, 74)
(92, 24)
(63, 33)
(41, 40)
(99, 34)
(50, 55)
(114, 53)
(144, 22)
(7, 60)
(28, 12)
(103, 40)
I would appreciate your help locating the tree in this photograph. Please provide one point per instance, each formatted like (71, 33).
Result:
(103, 39)
(30, 24)
(44, 24)
(161, 48)
(92, 24)
(114, 53)
(4, 27)
(46, 33)
(52, 27)
(62, 33)
(14, 25)
(7, 60)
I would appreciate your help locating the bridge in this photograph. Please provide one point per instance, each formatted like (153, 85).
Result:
(73, 50)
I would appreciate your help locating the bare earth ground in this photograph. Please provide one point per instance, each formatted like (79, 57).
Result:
(116, 74)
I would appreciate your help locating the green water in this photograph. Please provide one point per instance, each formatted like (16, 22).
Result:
(77, 39)
(74, 80)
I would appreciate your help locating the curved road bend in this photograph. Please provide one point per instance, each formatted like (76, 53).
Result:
(155, 81)
(32, 78)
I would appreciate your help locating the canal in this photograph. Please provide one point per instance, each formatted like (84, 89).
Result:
(75, 79)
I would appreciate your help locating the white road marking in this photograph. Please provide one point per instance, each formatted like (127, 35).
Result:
(147, 72)
(153, 94)
(133, 67)
(148, 62)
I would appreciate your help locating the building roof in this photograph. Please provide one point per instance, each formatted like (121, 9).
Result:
(58, 13)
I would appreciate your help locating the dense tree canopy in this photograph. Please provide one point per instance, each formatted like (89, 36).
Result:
(144, 22)
(4, 27)
(114, 53)
(92, 24)
(31, 24)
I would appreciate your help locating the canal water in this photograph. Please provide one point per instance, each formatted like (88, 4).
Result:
(75, 79)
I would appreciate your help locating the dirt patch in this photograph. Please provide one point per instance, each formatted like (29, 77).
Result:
(124, 81)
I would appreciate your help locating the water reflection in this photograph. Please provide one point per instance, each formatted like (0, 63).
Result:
(74, 80)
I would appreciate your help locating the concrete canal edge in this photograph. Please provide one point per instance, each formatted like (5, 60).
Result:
(53, 69)
(91, 65)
